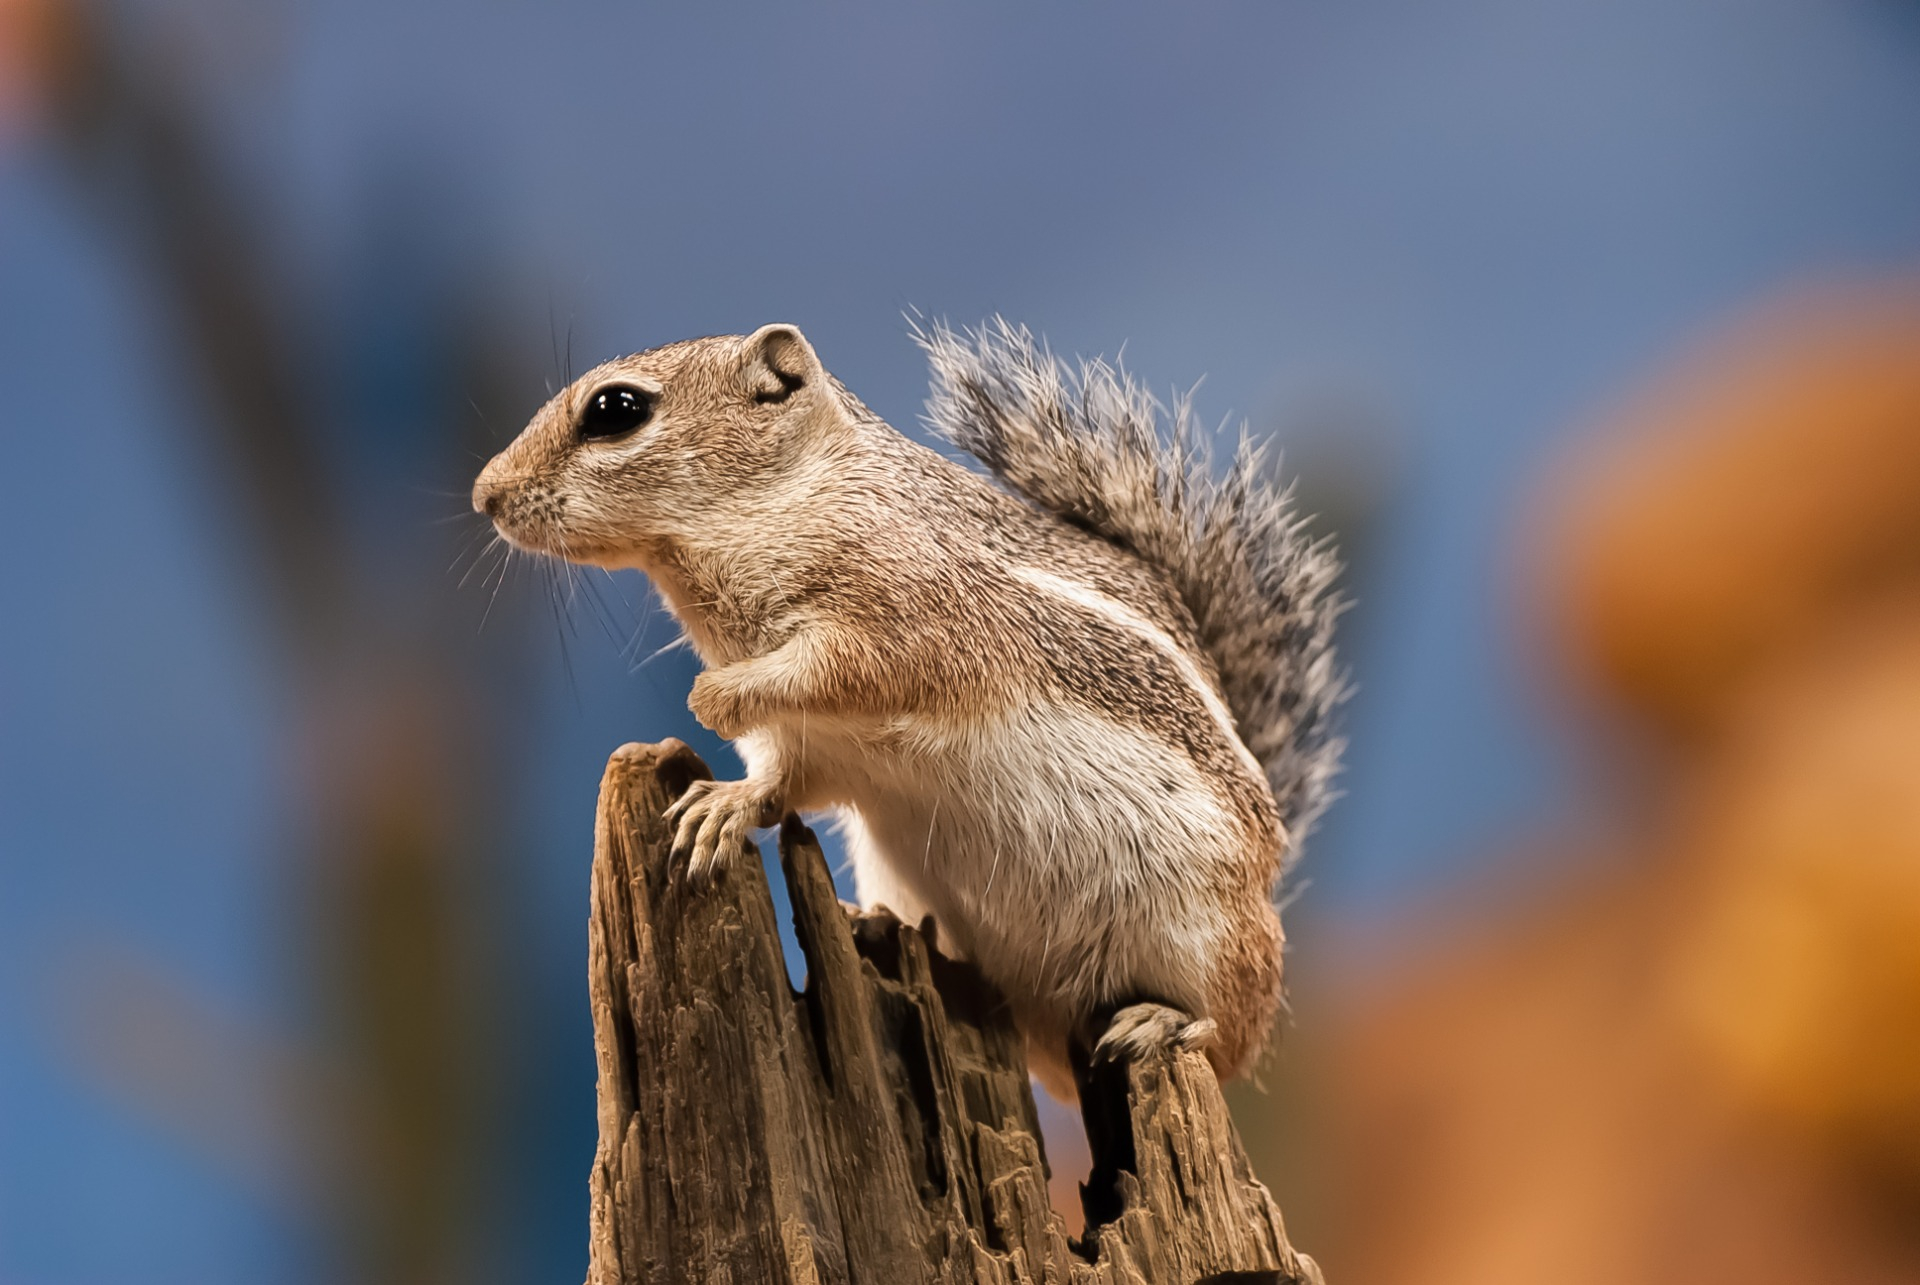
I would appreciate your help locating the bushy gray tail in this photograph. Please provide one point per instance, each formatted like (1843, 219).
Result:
(1088, 445)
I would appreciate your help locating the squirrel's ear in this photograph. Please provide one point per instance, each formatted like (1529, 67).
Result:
(777, 362)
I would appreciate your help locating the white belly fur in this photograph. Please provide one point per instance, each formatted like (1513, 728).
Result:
(1077, 861)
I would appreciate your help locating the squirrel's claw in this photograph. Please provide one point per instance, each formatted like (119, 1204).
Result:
(712, 820)
(1140, 1029)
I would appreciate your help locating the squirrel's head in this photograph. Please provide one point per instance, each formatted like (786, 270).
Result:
(649, 449)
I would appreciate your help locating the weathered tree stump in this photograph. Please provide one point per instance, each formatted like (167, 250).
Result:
(876, 1127)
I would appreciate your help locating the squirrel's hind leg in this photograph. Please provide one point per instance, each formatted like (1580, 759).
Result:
(1139, 1029)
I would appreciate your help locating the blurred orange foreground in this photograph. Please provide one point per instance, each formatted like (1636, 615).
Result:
(1702, 1063)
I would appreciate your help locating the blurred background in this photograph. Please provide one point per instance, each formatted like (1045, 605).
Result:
(1592, 332)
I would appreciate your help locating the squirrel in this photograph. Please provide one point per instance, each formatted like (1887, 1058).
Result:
(1082, 718)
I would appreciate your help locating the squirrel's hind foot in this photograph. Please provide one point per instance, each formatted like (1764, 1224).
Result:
(713, 819)
(1140, 1029)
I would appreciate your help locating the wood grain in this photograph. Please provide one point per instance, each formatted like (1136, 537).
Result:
(876, 1128)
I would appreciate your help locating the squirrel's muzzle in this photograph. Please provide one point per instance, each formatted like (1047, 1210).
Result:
(488, 493)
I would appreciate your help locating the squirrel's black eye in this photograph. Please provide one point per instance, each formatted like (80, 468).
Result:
(612, 412)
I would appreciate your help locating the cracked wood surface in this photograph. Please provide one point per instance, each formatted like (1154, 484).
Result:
(876, 1128)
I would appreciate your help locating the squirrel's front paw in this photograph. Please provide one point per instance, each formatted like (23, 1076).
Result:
(712, 819)
(717, 705)
(1139, 1029)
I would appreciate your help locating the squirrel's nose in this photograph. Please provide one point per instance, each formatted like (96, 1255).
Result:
(487, 491)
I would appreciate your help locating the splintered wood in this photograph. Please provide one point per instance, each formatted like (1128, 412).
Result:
(877, 1127)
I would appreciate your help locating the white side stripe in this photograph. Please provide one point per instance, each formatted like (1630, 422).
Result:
(1118, 613)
